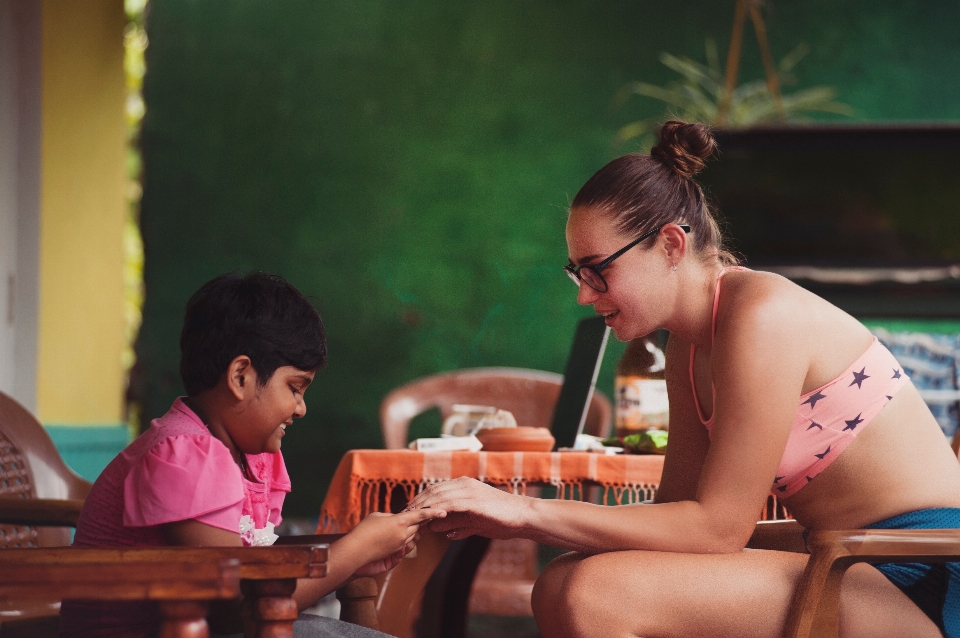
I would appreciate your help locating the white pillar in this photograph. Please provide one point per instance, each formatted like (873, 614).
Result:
(20, 65)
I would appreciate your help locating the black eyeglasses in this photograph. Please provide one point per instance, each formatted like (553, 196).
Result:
(591, 276)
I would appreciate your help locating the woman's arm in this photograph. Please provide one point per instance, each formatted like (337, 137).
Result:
(758, 364)
(688, 443)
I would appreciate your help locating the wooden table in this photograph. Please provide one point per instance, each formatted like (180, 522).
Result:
(182, 579)
(385, 480)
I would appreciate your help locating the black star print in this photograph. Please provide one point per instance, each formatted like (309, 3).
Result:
(813, 400)
(814, 424)
(824, 453)
(853, 423)
(809, 478)
(782, 488)
(889, 397)
(859, 377)
(777, 479)
(896, 374)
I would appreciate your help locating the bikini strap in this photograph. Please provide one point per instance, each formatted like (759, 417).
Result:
(716, 304)
(693, 349)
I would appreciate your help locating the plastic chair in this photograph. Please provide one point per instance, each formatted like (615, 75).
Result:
(529, 394)
(31, 469)
(504, 580)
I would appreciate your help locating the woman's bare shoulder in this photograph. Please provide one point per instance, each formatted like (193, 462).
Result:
(766, 309)
(751, 296)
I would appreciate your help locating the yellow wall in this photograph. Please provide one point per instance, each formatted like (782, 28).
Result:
(82, 211)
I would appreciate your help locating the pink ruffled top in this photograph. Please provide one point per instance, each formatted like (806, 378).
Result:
(174, 471)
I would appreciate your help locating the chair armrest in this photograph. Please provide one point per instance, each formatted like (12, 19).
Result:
(39, 512)
(784, 536)
(815, 610)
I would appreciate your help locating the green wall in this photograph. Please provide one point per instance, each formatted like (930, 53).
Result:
(408, 166)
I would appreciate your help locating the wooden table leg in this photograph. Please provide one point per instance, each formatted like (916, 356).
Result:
(358, 602)
(270, 608)
(183, 619)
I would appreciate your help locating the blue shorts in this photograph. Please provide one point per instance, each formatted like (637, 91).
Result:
(935, 589)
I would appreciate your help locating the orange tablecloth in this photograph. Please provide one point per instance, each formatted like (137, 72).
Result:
(365, 478)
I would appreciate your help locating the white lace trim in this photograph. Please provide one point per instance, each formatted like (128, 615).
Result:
(254, 537)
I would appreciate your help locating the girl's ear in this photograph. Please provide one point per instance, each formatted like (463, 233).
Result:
(240, 377)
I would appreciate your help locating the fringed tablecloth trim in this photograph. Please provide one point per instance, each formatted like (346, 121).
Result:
(373, 495)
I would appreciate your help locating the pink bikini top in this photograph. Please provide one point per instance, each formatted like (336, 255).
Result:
(828, 418)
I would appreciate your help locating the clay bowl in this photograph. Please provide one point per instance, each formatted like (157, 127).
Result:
(518, 439)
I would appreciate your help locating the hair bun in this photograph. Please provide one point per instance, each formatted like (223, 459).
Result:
(683, 147)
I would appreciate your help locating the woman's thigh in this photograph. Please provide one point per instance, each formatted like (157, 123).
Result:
(745, 594)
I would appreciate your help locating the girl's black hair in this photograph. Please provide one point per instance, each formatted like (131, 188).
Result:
(258, 315)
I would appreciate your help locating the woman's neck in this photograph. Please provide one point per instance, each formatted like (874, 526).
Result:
(692, 318)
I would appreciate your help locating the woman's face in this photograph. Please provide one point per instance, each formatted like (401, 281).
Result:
(634, 303)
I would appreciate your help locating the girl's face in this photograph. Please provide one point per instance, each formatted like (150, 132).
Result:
(267, 411)
(636, 298)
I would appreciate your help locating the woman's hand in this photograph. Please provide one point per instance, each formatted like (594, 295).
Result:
(472, 507)
(382, 540)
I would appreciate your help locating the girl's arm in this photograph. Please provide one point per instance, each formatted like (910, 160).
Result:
(758, 362)
(374, 546)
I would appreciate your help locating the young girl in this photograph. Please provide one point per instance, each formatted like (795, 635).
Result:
(210, 472)
(772, 390)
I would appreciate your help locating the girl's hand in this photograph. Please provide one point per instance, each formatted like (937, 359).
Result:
(386, 564)
(381, 540)
(472, 508)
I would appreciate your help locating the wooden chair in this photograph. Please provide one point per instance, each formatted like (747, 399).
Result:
(505, 577)
(815, 610)
(40, 498)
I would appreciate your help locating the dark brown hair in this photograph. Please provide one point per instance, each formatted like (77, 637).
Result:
(642, 192)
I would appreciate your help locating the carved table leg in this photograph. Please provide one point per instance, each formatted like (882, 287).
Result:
(183, 619)
(358, 602)
(270, 608)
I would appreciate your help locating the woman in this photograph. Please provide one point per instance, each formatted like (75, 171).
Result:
(772, 389)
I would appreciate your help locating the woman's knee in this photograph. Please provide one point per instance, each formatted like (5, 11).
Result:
(567, 594)
(585, 584)
(547, 590)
